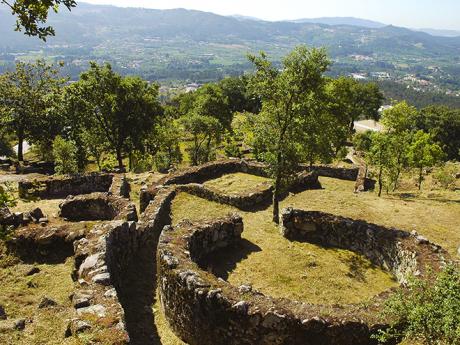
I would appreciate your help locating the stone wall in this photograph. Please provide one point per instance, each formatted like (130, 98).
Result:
(205, 310)
(61, 187)
(245, 201)
(349, 174)
(200, 174)
(97, 206)
(400, 252)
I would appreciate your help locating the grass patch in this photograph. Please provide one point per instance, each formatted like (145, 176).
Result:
(281, 268)
(238, 183)
(20, 295)
(432, 213)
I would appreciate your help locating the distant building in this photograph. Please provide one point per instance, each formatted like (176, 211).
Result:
(358, 76)
(192, 87)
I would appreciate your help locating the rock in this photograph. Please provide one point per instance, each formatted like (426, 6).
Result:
(241, 306)
(81, 300)
(102, 279)
(112, 293)
(75, 327)
(43, 221)
(421, 240)
(19, 325)
(89, 264)
(31, 271)
(36, 214)
(3, 315)
(98, 310)
(245, 288)
(46, 303)
(5, 215)
(125, 188)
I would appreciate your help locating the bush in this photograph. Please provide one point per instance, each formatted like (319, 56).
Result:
(232, 149)
(446, 176)
(65, 156)
(429, 311)
(109, 163)
(5, 148)
(6, 199)
(141, 162)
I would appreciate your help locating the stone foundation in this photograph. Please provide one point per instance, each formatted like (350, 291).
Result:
(61, 187)
(205, 310)
(97, 206)
(200, 174)
(400, 252)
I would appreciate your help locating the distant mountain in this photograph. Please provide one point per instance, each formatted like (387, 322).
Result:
(342, 21)
(439, 32)
(240, 17)
(183, 44)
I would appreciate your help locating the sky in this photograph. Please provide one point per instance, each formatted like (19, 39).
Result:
(438, 14)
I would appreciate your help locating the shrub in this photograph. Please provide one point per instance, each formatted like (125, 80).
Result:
(109, 163)
(65, 156)
(6, 199)
(446, 176)
(429, 311)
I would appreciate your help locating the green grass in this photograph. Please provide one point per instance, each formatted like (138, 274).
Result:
(238, 183)
(20, 295)
(281, 268)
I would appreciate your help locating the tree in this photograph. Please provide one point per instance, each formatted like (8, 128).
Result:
(65, 156)
(31, 14)
(399, 123)
(444, 125)
(205, 132)
(240, 97)
(353, 100)
(122, 109)
(28, 102)
(423, 152)
(381, 156)
(285, 95)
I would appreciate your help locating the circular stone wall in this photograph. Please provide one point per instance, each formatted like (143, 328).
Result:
(203, 309)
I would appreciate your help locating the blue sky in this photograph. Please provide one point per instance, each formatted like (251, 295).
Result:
(439, 14)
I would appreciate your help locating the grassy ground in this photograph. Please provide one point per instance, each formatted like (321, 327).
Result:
(20, 295)
(433, 213)
(238, 183)
(281, 268)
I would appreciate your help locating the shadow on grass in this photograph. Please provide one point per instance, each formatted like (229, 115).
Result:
(223, 262)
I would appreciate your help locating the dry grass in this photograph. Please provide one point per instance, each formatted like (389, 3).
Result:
(433, 213)
(166, 335)
(20, 295)
(238, 183)
(281, 268)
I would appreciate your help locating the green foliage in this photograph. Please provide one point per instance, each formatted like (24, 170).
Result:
(206, 132)
(122, 110)
(109, 162)
(423, 152)
(446, 176)
(6, 195)
(232, 149)
(362, 141)
(5, 147)
(353, 100)
(31, 14)
(443, 124)
(288, 99)
(65, 156)
(29, 106)
(427, 311)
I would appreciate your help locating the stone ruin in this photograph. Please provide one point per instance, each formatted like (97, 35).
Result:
(201, 308)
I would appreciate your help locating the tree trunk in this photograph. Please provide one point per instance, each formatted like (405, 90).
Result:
(20, 146)
(380, 181)
(276, 201)
(420, 178)
(119, 159)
